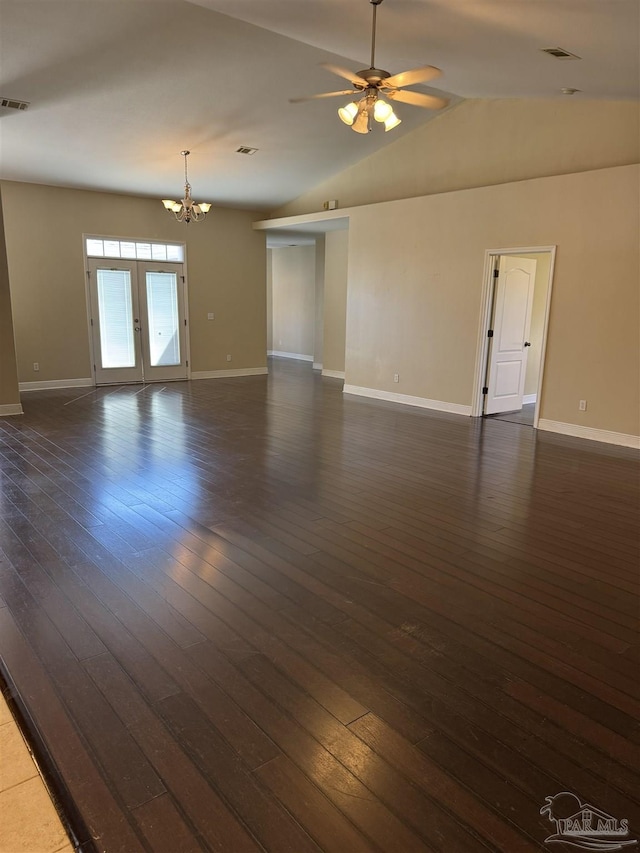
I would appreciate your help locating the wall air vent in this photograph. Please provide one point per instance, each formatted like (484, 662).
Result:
(13, 104)
(559, 53)
(245, 150)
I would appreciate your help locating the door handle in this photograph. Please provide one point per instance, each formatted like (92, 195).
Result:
(136, 328)
(527, 343)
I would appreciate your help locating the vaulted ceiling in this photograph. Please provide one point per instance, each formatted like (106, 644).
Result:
(117, 88)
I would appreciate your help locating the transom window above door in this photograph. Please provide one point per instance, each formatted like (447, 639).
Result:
(108, 247)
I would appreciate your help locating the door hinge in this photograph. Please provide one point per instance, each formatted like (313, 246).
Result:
(89, 273)
(92, 321)
(185, 322)
(182, 277)
(94, 368)
(496, 273)
(485, 390)
(187, 364)
(490, 333)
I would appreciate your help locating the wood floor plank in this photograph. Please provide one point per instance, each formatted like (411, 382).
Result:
(188, 786)
(107, 822)
(324, 823)
(257, 614)
(164, 828)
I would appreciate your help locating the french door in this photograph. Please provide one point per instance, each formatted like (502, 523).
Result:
(138, 321)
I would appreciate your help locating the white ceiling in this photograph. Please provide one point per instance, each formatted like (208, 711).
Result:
(119, 87)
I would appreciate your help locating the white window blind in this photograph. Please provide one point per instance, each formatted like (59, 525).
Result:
(116, 318)
(163, 319)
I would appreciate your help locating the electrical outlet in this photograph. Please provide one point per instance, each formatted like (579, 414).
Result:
(582, 405)
(211, 316)
(396, 377)
(228, 356)
(36, 366)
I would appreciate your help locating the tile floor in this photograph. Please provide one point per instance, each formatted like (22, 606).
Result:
(28, 819)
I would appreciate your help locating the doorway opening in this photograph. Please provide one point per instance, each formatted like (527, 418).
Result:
(513, 333)
(137, 315)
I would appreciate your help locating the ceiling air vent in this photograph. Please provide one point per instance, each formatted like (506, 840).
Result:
(245, 150)
(13, 104)
(559, 53)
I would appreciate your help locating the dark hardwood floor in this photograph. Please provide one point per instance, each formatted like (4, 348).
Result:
(525, 416)
(257, 615)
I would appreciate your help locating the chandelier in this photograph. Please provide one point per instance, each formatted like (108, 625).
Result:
(186, 210)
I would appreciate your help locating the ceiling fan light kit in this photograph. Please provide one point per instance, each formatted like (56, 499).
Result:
(373, 82)
(187, 210)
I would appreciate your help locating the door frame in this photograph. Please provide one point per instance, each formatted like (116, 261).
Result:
(87, 289)
(486, 308)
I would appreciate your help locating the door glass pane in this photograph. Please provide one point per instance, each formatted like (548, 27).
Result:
(174, 253)
(115, 316)
(163, 320)
(95, 247)
(158, 252)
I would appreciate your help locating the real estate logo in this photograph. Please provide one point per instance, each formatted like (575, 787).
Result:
(585, 826)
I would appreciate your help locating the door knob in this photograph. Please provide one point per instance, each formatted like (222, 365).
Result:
(136, 328)
(527, 343)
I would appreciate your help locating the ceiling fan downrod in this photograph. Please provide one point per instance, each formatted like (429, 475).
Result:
(375, 4)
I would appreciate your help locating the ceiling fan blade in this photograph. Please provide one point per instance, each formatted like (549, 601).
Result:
(417, 99)
(323, 95)
(416, 75)
(351, 76)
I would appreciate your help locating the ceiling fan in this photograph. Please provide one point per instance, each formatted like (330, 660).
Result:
(372, 83)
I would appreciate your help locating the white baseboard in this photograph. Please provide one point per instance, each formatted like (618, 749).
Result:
(317, 365)
(335, 374)
(590, 433)
(529, 398)
(10, 409)
(298, 356)
(56, 383)
(407, 400)
(224, 374)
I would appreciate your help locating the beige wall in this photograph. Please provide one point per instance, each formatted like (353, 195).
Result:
(9, 394)
(44, 226)
(486, 142)
(293, 299)
(335, 299)
(413, 304)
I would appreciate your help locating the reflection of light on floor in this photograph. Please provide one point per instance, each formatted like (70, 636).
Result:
(151, 419)
(167, 424)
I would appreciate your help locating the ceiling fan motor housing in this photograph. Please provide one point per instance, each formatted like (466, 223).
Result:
(373, 76)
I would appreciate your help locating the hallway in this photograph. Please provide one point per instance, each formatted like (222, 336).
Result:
(256, 614)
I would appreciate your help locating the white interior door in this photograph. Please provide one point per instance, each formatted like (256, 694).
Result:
(507, 363)
(138, 321)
